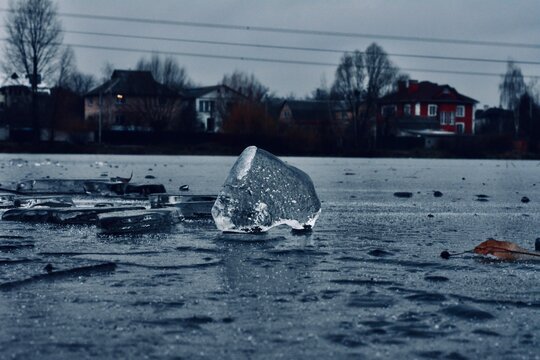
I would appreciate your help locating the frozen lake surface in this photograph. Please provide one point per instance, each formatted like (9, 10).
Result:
(368, 282)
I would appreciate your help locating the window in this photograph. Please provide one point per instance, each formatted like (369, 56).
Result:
(460, 111)
(286, 114)
(432, 110)
(417, 109)
(120, 99)
(407, 109)
(206, 106)
(447, 118)
(90, 101)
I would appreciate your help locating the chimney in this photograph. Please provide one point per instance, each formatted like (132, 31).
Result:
(402, 85)
(413, 85)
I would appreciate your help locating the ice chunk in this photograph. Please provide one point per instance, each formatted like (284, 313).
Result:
(52, 186)
(261, 192)
(88, 216)
(86, 186)
(137, 220)
(145, 189)
(104, 188)
(189, 206)
(7, 201)
(60, 215)
(44, 201)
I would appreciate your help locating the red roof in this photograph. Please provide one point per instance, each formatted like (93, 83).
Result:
(426, 91)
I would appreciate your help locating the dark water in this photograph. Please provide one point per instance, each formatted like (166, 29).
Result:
(368, 282)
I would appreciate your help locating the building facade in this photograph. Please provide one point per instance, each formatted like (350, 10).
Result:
(208, 105)
(132, 100)
(421, 106)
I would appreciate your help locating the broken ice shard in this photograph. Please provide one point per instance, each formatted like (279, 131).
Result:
(52, 186)
(86, 186)
(137, 221)
(262, 192)
(44, 201)
(189, 206)
(61, 215)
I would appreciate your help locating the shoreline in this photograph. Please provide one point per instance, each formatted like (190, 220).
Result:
(216, 149)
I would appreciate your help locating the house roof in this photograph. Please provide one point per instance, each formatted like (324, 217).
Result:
(426, 91)
(309, 110)
(200, 91)
(133, 83)
(194, 93)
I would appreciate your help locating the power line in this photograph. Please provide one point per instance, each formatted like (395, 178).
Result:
(296, 48)
(269, 60)
(296, 31)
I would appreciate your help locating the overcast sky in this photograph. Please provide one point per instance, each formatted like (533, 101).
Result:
(483, 20)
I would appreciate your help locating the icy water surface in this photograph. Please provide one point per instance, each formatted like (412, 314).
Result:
(368, 282)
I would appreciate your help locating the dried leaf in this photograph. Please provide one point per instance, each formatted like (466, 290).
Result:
(503, 250)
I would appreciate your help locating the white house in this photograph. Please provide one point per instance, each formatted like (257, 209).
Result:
(208, 103)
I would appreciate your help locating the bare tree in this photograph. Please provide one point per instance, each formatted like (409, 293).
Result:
(511, 89)
(512, 86)
(380, 72)
(166, 71)
(320, 93)
(246, 84)
(107, 70)
(69, 77)
(81, 83)
(34, 34)
(349, 87)
(66, 66)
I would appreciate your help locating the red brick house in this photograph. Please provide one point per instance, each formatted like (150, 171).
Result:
(420, 106)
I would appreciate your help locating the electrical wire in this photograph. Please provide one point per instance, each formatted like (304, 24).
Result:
(294, 48)
(270, 60)
(295, 31)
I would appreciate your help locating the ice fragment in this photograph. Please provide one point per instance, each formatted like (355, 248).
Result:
(137, 221)
(262, 192)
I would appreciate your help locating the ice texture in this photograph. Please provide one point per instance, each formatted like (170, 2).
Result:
(189, 206)
(86, 187)
(262, 192)
(136, 221)
(63, 216)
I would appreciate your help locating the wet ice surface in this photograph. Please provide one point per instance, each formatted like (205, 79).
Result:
(368, 281)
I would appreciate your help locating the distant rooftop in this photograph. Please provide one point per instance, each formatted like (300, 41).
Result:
(197, 92)
(414, 91)
(134, 83)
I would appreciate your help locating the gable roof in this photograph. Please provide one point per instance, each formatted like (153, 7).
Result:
(426, 91)
(132, 83)
(310, 110)
(198, 92)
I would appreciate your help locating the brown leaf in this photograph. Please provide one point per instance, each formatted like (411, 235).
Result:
(503, 250)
